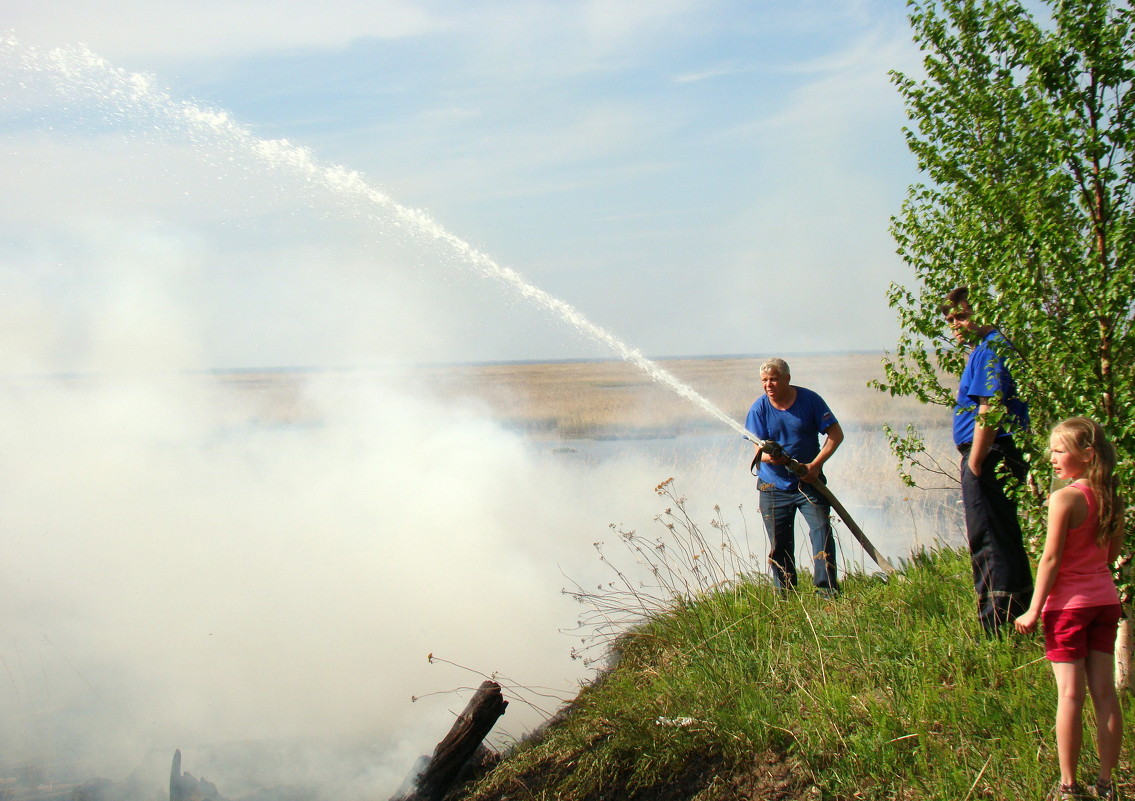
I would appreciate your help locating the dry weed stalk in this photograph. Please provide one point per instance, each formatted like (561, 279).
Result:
(677, 567)
(534, 697)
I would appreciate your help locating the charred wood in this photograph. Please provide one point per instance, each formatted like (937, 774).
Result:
(183, 787)
(457, 752)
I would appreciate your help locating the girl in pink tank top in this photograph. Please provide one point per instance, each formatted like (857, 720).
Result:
(1077, 598)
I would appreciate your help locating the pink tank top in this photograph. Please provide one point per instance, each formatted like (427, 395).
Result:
(1083, 578)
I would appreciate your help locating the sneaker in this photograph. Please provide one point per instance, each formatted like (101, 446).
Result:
(1106, 790)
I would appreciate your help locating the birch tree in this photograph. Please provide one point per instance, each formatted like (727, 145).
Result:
(1022, 124)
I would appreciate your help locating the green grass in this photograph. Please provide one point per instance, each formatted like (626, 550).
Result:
(888, 692)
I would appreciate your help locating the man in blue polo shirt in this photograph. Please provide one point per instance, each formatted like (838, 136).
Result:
(794, 417)
(1001, 573)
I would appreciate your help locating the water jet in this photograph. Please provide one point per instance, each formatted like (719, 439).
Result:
(132, 94)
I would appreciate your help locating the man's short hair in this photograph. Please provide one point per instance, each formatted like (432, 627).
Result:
(779, 365)
(954, 298)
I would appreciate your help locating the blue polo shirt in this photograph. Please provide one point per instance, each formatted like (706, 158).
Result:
(797, 429)
(986, 375)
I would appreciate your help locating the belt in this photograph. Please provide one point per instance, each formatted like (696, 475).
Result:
(966, 447)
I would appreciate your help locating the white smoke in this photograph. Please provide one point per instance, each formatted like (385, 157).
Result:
(179, 572)
(197, 561)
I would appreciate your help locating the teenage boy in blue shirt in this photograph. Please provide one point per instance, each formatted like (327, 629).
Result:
(1002, 576)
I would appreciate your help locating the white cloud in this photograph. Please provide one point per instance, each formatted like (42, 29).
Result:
(828, 170)
(135, 30)
(709, 74)
(641, 25)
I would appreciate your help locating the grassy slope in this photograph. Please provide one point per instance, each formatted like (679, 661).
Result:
(885, 693)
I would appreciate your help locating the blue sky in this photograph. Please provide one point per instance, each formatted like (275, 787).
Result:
(698, 177)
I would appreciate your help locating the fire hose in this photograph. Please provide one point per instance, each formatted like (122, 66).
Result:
(776, 451)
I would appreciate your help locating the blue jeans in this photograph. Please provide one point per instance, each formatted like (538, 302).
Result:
(778, 510)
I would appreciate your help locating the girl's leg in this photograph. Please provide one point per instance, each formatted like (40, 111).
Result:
(1100, 670)
(1071, 685)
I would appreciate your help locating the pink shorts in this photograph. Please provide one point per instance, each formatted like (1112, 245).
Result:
(1070, 633)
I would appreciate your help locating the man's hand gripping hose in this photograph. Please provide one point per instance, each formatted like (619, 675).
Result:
(775, 451)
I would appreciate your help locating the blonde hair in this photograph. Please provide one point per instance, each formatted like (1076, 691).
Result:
(1086, 439)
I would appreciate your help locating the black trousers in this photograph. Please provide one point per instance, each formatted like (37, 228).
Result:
(1002, 575)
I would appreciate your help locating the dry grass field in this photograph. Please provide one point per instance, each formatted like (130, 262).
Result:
(586, 399)
(589, 399)
(613, 399)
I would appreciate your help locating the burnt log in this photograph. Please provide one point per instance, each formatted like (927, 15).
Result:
(453, 754)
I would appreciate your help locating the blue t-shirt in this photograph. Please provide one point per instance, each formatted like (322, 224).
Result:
(797, 429)
(986, 375)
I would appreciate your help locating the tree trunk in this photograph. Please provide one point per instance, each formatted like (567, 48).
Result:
(1123, 645)
(453, 753)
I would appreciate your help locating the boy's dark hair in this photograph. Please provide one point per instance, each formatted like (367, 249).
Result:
(954, 298)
